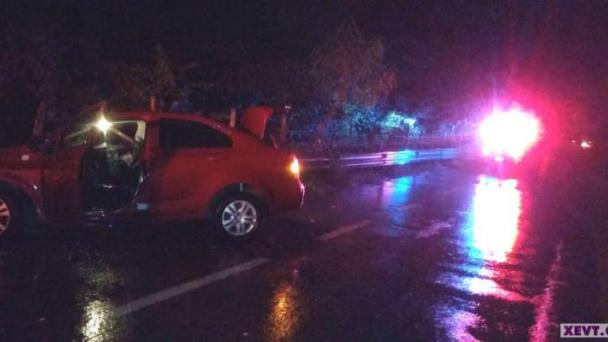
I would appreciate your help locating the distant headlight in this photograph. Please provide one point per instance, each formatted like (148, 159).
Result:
(585, 144)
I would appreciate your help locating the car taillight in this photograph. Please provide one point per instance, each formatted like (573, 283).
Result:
(294, 167)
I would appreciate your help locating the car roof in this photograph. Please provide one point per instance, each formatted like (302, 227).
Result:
(155, 116)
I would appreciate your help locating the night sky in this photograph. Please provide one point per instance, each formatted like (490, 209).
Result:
(446, 52)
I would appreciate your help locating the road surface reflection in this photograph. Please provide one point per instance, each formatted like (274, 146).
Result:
(488, 237)
(395, 195)
(494, 219)
(284, 315)
(98, 321)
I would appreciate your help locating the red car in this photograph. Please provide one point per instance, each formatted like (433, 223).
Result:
(147, 167)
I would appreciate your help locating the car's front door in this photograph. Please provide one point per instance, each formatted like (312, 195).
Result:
(62, 192)
(93, 171)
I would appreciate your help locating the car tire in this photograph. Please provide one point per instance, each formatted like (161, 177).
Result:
(11, 220)
(239, 216)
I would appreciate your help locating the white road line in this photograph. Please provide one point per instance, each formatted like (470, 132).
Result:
(344, 230)
(192, 285)
(195, 284)
(545, 306)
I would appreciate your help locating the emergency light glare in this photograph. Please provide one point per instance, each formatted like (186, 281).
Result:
(509, 133)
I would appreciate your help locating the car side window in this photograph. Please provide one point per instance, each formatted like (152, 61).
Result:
(121, 133)
(76, 135)
(176, 134)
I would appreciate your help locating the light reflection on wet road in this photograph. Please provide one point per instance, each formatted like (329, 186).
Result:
(96, 319)
(447, 254)
(285, 311)
(494, 218)
(490, 232)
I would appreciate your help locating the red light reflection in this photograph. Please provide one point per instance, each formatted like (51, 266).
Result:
(489, 236)
(495, 221)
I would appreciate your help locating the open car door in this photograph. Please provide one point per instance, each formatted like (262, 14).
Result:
(113, 168)
(94, 171)
(61, 183)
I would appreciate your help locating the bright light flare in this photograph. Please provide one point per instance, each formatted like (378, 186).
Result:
(103, 124)
(294, 167)
(509, 133)
(585, 144)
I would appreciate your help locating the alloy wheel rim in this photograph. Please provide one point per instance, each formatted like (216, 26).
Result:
(239, 218)
(5, 216)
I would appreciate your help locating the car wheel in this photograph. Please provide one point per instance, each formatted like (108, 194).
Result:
(9, 215)
(239, 216)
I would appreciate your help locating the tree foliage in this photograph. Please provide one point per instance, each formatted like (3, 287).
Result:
(349, 71)
(276, 82)
(135, 83)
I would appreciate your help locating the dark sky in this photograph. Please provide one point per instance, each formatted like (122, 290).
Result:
(130, 29)
(126, 29)
(453, 48)
(270, 28)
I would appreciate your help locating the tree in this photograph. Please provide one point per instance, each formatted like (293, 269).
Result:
(163, 85)
(350, 77)
(349, 71)
(33, 68)
(136, 83)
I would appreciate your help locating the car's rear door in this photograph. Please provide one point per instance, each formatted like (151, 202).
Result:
(189, 161)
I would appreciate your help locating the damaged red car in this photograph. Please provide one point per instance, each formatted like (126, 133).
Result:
(147, 168)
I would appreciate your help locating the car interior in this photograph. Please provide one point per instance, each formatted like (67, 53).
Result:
(112, 167)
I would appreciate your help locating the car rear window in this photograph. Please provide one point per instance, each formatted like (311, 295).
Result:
(186, 134)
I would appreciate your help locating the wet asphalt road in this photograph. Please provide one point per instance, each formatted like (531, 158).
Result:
(430, 252)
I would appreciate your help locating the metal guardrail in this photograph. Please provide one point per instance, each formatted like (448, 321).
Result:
(300, 141)
(380, 159)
